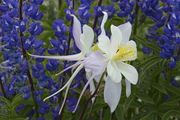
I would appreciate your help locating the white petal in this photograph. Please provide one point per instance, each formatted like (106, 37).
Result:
(116, 38)
(128, 88)
(76, 30)
(74, 57)
(129, 72)
(112, 93)
(97, 78)
(105, 17)
(132, 44)
(95, 63)
(87, 37)
(113, 72)
(104, 43)
(126, 31)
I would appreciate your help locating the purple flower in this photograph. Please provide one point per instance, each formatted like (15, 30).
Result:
(35, 29)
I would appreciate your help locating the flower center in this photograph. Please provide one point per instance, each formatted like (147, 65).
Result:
(95, 47)
(125, 53)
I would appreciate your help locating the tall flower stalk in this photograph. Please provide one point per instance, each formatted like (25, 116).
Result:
(24, 53)
(2, 89)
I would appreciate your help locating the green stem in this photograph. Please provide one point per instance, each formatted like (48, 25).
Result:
(69, 36)
(59, 4)
(2, 89)
(24, 53)
(89, 100)
(136, 18)
(96, 17)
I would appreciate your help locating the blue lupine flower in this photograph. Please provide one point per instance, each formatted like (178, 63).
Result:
(32, 10)
(71, 102)
(52, 65)
(44, 108)
(59, 28)
(166, 18)
(127, 9)
(55, 112)
(109, 9)
(22, 25)
(35, 29)
(4, 8)
(39, 2)
(83, 12)
(26, 92)
(69, 12)
(146, 50)
(20, 107)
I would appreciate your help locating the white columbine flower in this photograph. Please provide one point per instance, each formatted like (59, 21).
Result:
(117, 51)
(92, 61)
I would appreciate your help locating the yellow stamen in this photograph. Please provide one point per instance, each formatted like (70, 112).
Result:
(124, 53)
(95, 48)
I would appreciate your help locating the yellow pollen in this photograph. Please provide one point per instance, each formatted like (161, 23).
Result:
(95, 47)
(123, 53)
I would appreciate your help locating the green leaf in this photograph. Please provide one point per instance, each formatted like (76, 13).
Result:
(107, 114)
(170, 113)
(159, 87)
(145, 98)
(128, 102)
(148, 116)
(144, 42)
(119, 113)
(174, 101)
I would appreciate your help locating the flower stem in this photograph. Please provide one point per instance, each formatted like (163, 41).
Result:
(2, 89)
(69, 36)
(96, 17)
(89, 100)
(25, 57)
(136, 18)
(59, 4)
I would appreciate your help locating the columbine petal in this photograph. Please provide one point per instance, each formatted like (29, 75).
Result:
(128, 88)
(95, 63)
(112, 93)
(132, 44)
(116, 39)
(74, 57)
(113, 72)
(76, 30)
(87, 37)
(129, 72)
(105, 17)
(104, 44)
(126, 31)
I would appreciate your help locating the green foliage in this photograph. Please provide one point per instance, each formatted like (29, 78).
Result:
(153, 98)
(8, 108)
